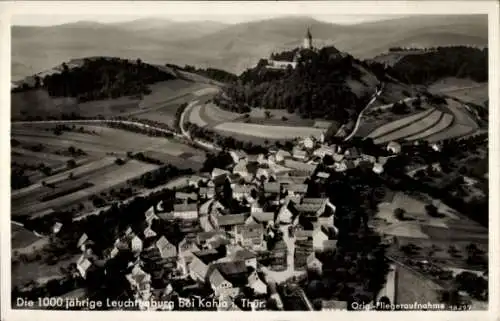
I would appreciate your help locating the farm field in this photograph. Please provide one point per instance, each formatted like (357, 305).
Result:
(400, 123)
(105, 140)
(95, 173)
(39, 103)
(412, 287)
(255, 126)
(463, 123)
(183, 161)
(445, 122)
(411, 129)
(262, 131)
(101, 179)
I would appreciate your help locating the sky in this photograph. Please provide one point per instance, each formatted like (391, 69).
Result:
(48, 20)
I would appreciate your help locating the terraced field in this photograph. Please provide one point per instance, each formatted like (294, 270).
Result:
(412, 128)
(435, 124)
(445, 122)
(400, 123)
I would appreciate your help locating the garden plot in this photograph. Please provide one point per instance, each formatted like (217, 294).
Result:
(400, 123)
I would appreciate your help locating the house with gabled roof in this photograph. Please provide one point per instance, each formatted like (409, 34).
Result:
(219, 284)
(300, 167)
(198, 270)
(207, 192)
(140, 282)
(250, 235)
(256, 284)
(288, 214)
(242, 191)
(278, 252)
(217, 173)
(241, 168)
(313, 263)
(323, 151)
(352, 152)
(296, 189)
(263, 218)
(83, 265)
(186, 248)
(84, 242)
(271, 188)
(238, 155)
(186, 211)
(231, 277)
(167, 250)
(150, 215)
(281, 155)
(303, 248)
(229, 222)
(186, 196)
(149, 233)
(298, 154)
(56, 228)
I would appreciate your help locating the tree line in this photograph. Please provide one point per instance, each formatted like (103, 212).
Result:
(103, 78)
(430, 66)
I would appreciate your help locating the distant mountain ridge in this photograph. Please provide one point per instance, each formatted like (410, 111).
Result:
(234, 47)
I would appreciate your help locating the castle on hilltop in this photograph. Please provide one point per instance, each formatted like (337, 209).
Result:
(284, 64)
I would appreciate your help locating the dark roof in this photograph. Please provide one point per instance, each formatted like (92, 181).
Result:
(208, 256)
(235, 272)
(243, 254)
(272, 187)
(232, 219)
(216, 278)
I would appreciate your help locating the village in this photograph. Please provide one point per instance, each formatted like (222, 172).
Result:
(272, 233)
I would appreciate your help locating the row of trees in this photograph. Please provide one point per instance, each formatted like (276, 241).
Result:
(223, 141)
(160, 176)
(213, 73)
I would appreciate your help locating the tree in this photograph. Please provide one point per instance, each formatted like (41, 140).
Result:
(431, 210)
(399, 213)
(268, 114)
(71, 163)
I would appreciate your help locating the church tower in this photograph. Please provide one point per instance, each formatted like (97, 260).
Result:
(308, 40)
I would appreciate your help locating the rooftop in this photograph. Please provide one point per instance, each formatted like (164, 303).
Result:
(232, 219)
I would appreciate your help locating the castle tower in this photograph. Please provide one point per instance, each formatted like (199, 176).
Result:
(308, 40)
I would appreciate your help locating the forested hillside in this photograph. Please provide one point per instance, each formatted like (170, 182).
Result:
(458, 61)
(103, 78)
(325, 84)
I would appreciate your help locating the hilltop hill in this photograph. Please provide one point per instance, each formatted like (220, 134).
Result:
(101, 78)
(231, 47)
(325, 84)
